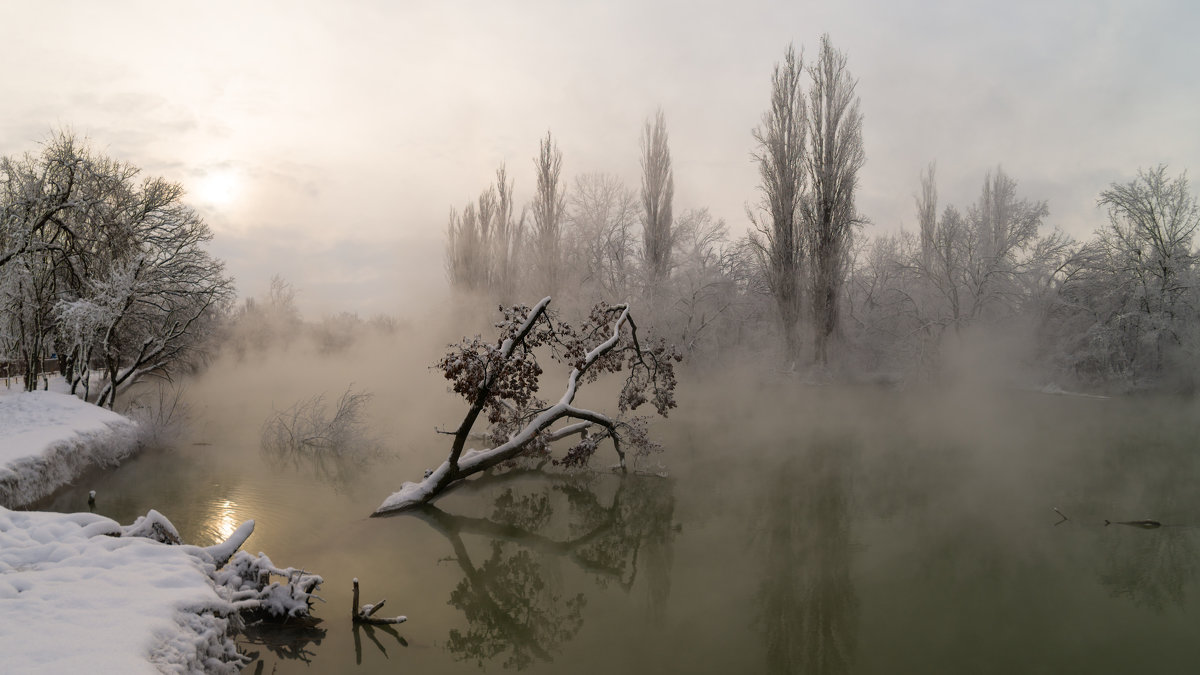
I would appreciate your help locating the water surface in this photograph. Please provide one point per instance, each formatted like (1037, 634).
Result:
(799, 529)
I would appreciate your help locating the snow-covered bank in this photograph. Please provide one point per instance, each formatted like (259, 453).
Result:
(48, 438)
(80, 593)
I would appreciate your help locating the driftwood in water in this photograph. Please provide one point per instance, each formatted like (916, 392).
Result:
(365, 613)
(1144, 524)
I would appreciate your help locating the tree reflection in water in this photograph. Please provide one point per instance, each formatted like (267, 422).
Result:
(288, 642)
(370, 629)
(808, 607)
(514, 608)
(339, 470)
(1151, 567)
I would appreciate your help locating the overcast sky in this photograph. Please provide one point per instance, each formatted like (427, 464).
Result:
(327, 141)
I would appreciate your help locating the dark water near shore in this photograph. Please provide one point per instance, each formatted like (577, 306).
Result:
(800, 529)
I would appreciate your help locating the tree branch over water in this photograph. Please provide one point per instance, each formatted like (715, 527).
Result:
(501, 380)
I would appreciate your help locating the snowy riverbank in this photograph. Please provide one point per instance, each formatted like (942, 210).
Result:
(79, 593)
(48, 438)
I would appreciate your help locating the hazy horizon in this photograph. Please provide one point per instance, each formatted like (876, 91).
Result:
(328, 144)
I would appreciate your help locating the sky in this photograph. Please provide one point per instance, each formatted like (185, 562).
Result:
(327, 141)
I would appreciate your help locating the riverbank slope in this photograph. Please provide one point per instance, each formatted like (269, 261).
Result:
(48, 438)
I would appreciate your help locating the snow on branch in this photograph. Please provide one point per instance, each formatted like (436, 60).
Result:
(501, 380)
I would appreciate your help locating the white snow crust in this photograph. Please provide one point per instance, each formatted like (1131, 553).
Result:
(78, 593)
(48, 438)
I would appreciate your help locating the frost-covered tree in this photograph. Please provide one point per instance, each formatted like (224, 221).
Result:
(927, 214)
(603, 216)
(35, 190)
(1151, 222)
(987, 267)
(506, 240)
(705, 286)
(483, 240)
(834, 158)
(38, 192)
(108, 272)
(777, 236)
(658, 190)
(500, 380)
(1002, 231)
(549, 212)
(262, 323)
(164, 294)
(1129, 304)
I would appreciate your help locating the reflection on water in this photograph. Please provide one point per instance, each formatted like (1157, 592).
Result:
(293, 642)
(369, 629)
(515, 605)
(803, 530)
(1152, 567)
(222, 520)
(337, 466)
(808, 606)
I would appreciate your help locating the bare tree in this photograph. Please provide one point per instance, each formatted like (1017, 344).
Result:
(1002, 231)
(704, 289)
(927, 214)
(780, 156)
(1151, 221)
(658, 189)
(603, 213)
(35, 190)
(549, 207)
(163, 297)
(466, 246)
(483, 240)
(259, 324)
(1132, 301)
(835, 156)
(506, 234)
(108, 271)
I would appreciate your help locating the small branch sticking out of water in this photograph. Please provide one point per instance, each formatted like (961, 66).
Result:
(364, 613)
(1061, 515)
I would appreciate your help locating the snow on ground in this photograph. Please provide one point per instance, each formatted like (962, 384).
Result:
(81, 593)
(48, 438)
(77, 597)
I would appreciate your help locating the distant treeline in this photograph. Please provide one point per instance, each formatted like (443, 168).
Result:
(990, 282)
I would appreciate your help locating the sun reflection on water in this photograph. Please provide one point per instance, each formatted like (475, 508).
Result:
(223, 521)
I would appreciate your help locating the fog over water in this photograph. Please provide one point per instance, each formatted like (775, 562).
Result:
(930, 271)
(800, 528)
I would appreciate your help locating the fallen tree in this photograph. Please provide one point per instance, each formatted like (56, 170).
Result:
(501, 380)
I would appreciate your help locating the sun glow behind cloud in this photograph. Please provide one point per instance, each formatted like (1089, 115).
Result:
(219, 188)
(359, 128)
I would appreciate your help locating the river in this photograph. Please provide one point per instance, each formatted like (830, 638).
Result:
(798, 529)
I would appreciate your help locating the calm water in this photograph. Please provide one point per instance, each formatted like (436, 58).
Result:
(801, 529)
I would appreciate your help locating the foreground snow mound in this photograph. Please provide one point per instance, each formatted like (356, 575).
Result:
(78, 593)
(48, 438)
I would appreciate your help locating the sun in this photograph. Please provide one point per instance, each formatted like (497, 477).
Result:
(219, 187)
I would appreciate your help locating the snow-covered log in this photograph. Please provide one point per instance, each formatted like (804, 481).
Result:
(502, 381)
